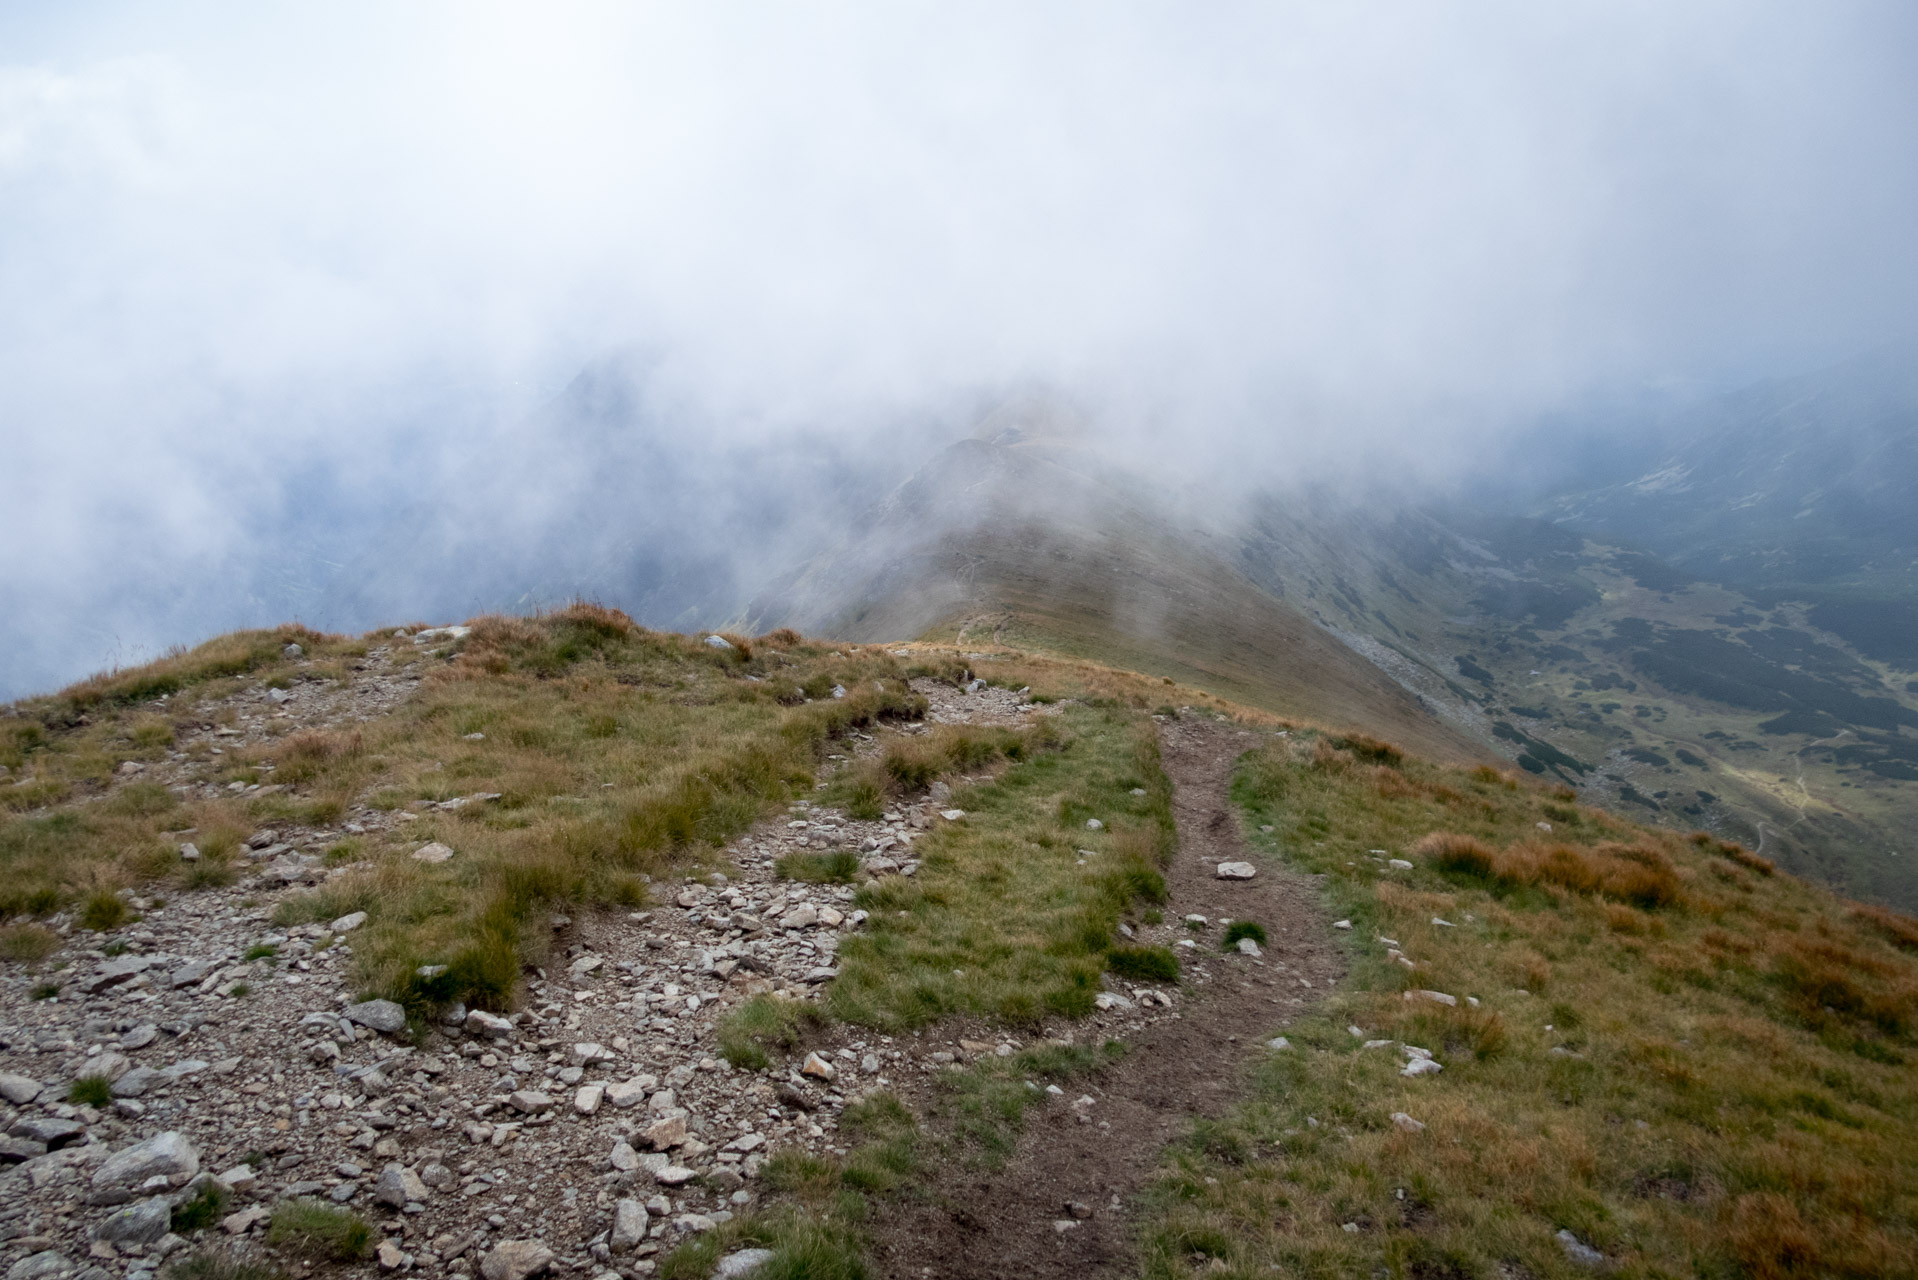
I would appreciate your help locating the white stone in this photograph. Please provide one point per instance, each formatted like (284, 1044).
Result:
(742, 1264)
(1399, 864)
(434, 852)
(1341, 924)
(629, 1226)
(18, 1089)
(1278, 1042)
(168, 1155)
(717, 642)
(1436, 997)
(348, 922)
(952, 815)
(1093, 824)
(1407, 1123)
(1110, 1000)
(1235, 871)
(587, 1100)
(1421, 1067)
(381, 1015)
(1247, 947)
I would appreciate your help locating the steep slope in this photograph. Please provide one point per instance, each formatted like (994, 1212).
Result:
(1799, 483)
(1018, 537)
(1609, 670)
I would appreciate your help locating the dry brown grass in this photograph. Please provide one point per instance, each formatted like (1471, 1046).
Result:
(1698, 1067)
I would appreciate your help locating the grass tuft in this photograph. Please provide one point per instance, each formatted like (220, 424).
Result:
(319, 1232)
(764, 1025)
(840, 866)
(202, 1209)
(90, 1091)
(1144, 964)
(1244, 929)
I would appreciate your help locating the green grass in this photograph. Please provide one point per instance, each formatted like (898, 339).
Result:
(90, 1091)
(817, 1228)
(200, 1210)
(27, 943)
(203, 1264)
(982, 1107)
(1243, 929)
(763, 1026)
(1724, 1088)
(260, 951)
(319, 1232)
(44, 990)
(1144, 964)
(104, 910)
(840, 866)
(1006, 917)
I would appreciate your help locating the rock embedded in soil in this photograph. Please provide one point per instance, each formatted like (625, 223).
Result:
(399, 1185)
(18, 1089)
(1407, 1123)
(383, 1016)
(517, 1260)
(629, 1226)
(141, 1223)
(168, 1155)
(433, 852)
(742, 1264)
(1235, 871)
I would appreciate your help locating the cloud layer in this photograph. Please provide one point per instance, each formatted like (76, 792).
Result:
(264, 272)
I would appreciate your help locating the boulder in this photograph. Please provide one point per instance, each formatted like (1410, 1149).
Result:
(489, 1023)
(383, 1016)
(50, 1131)
(141, 1223)
(629, 1226)
(18, 1089)
(20, 1150)
(516, 1260)
(135, 1083)
(168, 1155)
(40, 1266)
(629, 1093)
(667, 1132)
(399, 1185)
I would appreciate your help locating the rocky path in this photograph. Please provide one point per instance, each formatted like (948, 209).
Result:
(598, 1125)
(1063, 1206)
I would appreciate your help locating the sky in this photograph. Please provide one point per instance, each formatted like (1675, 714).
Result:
(270, 272)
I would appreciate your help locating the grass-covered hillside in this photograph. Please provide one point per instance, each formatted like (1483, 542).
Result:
(1693, 1063)
(1651, 1045)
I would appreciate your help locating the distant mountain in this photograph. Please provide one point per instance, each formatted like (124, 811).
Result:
(1798, 484)
(1613, 670)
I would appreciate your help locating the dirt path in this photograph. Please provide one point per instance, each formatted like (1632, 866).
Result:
(1006, 1223)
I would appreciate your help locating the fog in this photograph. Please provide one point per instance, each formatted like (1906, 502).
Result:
(291, 299)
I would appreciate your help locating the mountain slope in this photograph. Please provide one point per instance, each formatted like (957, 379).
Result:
(1030, 541)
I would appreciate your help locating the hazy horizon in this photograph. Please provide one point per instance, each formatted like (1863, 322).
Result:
(268, 278)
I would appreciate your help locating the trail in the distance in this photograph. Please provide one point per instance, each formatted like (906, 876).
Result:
(973, 1223)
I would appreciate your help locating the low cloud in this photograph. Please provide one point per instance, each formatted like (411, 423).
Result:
(270, 277)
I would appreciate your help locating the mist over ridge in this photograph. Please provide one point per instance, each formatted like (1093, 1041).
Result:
(389, 313)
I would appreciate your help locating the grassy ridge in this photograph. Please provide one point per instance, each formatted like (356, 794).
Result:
(616, 752)
(1014, 907)
(1693, 1064)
